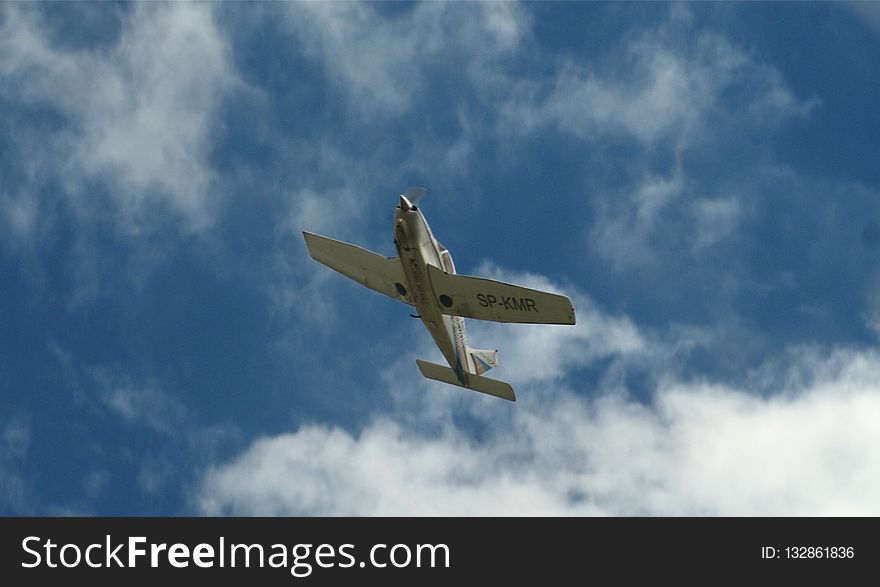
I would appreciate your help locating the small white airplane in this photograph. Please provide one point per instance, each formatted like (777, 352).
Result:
(422, 275)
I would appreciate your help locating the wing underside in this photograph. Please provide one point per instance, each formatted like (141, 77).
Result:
(381, 274)
(487, 299)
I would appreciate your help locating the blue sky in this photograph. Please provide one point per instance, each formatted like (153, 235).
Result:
(702, 179)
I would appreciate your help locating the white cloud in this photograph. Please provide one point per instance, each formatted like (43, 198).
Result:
(16, 438)
(715, 219)
(868, 12)
(661, 85)
(95, 483)
(545, 352)
(164, 439)
(299, 285)
(698, 449)
(661, 217)
(675, 93)
(799, 438)
(381, 63)
(155, 475)
(326, 212)
(145, 405)
(139, 113)
(627, 226)
(20, 214)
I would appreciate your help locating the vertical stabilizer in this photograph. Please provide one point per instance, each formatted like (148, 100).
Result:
(483, 360)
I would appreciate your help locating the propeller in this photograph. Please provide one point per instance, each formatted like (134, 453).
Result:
(415, 194)
(412, 195)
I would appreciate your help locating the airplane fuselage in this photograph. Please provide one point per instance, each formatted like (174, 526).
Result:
(417, 248)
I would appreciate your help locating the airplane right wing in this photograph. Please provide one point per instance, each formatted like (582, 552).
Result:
(487, 299)
(381, 274)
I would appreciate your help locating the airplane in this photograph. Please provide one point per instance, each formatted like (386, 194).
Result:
(423, 276)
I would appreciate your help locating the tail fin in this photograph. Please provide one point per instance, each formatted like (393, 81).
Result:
(483, 360)
(475, 382)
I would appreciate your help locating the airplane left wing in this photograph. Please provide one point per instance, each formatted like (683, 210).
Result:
(487, 299)
(381, 274)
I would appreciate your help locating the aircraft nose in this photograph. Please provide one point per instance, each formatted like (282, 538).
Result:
(405, 204)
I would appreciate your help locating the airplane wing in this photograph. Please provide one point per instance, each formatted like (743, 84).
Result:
(486, 299)
(381, 274)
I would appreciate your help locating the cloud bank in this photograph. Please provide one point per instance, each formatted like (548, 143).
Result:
(799, 437)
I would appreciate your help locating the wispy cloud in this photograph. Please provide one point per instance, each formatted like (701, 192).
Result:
(666, 84)
(20, 213)
(15, 440)
(382, 62)
(147, 406)
(134, 121)
(156, 440)
(671, 95)
(868, 12)
(629, 224)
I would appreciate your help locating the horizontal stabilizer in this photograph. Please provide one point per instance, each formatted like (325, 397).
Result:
(381, 274)
(475, 382)
(487, 299)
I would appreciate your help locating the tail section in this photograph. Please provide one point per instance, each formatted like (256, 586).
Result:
(483, 360)
(474, 382)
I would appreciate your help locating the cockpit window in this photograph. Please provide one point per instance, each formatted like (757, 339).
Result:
(446, 259)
